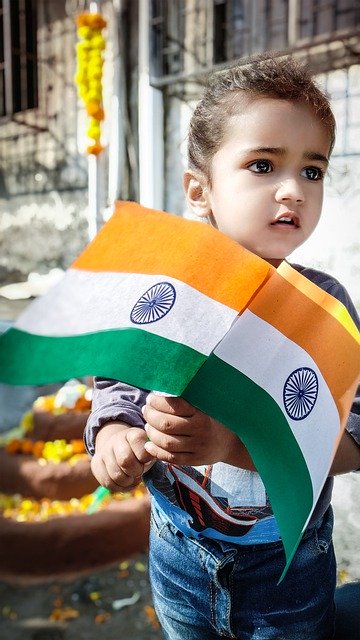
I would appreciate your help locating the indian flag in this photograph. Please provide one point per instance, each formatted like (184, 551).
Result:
(288, 369)
(165, 303)
(146, 303)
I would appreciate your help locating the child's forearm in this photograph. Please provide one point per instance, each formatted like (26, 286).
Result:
(347, 457)
(238, 455)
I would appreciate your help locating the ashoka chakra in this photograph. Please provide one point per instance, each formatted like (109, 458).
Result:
(154, 304)
(300, 393)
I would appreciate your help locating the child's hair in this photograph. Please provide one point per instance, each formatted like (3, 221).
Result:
(264, 76)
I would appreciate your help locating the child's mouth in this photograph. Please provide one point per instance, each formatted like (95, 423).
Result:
(287, 220)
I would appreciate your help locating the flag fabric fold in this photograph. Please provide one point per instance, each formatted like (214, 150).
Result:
(170, 304)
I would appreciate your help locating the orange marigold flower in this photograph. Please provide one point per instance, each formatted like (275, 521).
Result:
(81, 20)
(14, 446)
(100, 618)
(92, 20)
(96, 21)
(94, 110)
(27, 445)
(77, 446)
(82, 404)
(38, 448)
(95, 149)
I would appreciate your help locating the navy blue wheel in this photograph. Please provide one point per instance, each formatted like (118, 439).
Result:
(300, 393)
(154, 304)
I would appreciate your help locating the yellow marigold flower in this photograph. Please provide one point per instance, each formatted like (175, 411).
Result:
(80, 77)
(95, 85)
(98, 42)
(85, 32)
(83, 93)
(96, 57)
(27, 421)
(94, 130)
(94, 95)
(95, 71)
(83, 46)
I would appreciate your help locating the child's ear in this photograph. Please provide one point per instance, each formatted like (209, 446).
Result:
(197, 194)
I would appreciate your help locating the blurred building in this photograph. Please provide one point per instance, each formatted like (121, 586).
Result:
(158, 55)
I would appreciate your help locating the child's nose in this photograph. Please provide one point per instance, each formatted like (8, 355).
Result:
(290, 190)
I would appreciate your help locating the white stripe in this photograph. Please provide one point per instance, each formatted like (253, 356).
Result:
(84, 302)
(267, 357)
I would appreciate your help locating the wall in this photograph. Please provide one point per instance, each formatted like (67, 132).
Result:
(41, 232)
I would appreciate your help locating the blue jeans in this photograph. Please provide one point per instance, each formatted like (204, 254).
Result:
(208, 590)
(347, 600)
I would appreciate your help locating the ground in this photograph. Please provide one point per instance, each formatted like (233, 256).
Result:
(84, 608)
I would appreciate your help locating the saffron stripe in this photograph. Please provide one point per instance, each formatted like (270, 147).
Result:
(320, 297)
(141, 240)
(310, 326)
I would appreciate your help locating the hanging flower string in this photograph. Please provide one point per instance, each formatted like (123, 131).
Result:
(88, 78)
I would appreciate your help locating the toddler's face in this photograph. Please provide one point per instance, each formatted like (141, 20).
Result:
(267, 177)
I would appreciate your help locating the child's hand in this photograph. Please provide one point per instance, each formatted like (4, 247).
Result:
(183, 435)
(120, 458)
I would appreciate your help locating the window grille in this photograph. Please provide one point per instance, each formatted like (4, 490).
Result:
(242, 27)
(38, 152)
(18, 56)
(323, 17)
(192, 37)
(168, 37)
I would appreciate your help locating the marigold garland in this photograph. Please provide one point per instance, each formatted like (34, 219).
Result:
(22, 509)
(88, 76)
(51, 451)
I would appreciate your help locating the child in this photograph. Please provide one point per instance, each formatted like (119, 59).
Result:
(259, 146)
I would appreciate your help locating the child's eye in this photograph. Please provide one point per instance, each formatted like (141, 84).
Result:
(261, 166)
(312, 173)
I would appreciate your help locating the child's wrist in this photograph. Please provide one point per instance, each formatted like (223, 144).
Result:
(110, 428)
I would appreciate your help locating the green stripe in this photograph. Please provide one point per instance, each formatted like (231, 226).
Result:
(130, 355)
(233, 399)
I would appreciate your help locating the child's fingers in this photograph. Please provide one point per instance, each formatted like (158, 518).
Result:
(167, 456)
(111, 477)
(172, 405)
(169, 443)
(136, 439)
(168, 423)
